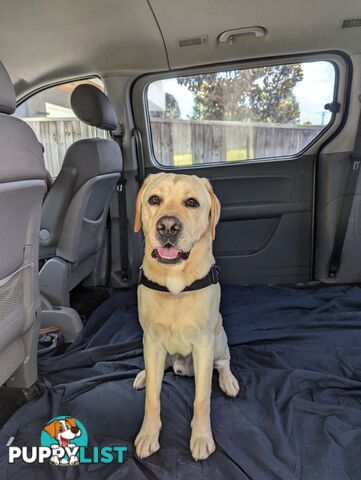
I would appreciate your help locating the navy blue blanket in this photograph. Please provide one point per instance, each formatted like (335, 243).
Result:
(296, 353)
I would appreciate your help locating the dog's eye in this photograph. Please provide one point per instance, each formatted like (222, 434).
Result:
(191, 203)
(61, 429)
(154, 200)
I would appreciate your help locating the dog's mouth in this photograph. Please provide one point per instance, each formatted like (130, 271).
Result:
(169, 254)
(64, 442)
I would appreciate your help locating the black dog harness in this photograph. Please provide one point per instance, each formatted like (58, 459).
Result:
(211, 278)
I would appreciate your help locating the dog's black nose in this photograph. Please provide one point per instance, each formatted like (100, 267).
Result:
(74, 429)
(169, 226)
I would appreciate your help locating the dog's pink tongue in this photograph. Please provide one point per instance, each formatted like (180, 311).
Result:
(168, 252)
(64, 442)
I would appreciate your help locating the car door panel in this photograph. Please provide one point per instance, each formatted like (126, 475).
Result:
(265, 230)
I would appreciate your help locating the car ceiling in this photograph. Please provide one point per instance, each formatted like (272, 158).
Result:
(42, 41)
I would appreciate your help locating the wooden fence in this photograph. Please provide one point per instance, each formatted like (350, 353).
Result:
(57, 135)
(187, 141)
(184, 142)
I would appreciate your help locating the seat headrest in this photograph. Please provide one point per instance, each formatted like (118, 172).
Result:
(7, 92)
(93, 107)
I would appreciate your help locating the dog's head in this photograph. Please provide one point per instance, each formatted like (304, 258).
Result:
(63, 430)
(176, 211)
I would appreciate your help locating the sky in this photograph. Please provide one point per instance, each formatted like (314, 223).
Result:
(312, 92)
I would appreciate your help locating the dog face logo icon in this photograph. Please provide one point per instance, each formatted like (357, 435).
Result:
(64, 435)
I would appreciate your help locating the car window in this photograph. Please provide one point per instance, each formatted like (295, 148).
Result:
(244, 114)
(50, 115)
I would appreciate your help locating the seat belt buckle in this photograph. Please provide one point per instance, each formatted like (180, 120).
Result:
(356, 160)
(332, 270)
(121, 184)
(124, 275)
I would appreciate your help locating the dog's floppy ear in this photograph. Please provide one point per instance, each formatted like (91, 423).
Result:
(138, 205)
(71, 421)
(215, 208)
(52, 428)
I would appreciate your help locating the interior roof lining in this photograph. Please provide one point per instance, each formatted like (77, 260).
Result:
(160, 32)
(136, 36)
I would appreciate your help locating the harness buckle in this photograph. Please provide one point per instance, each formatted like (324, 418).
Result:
(140, 275)
(215, 271)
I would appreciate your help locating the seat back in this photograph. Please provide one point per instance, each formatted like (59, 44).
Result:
(75, 210)
(22, 189)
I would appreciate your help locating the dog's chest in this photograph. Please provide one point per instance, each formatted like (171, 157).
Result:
(177, 323)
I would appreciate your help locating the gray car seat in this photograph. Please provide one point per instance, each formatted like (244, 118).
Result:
(22, 189)
(76, 208)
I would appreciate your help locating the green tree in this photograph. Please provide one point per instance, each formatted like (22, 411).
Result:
(263, 94)
(172, 109)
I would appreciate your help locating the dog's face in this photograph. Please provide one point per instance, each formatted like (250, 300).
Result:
(63, 430)
(175, 211)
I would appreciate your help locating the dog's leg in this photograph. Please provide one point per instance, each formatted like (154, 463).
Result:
(202, 443)
(147, 442)
(227, 381)
(139, 381)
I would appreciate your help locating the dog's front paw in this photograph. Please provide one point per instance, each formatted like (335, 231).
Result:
(202, 445)
(73, 460)
(228, 383)
(139, 381)
(55, 460)
(147, 442)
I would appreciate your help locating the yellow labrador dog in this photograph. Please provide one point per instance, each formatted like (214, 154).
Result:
(178, 302)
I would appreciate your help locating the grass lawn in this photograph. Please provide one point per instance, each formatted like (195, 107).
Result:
(232, 155)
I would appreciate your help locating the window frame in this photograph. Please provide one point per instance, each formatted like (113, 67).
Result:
(338, 59)
(47, 86)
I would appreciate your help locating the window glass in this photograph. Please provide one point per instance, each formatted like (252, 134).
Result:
(50, 115)
(236, 115)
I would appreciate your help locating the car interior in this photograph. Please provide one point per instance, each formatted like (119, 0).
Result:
(264, 100)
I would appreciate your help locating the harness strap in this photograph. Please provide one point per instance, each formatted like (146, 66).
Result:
(211, 278)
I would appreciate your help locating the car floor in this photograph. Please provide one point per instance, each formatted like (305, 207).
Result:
(85, 300)
(295, 352)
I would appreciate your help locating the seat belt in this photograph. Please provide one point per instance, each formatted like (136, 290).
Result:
(140, 155)
(122, 208)
(344, 215)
